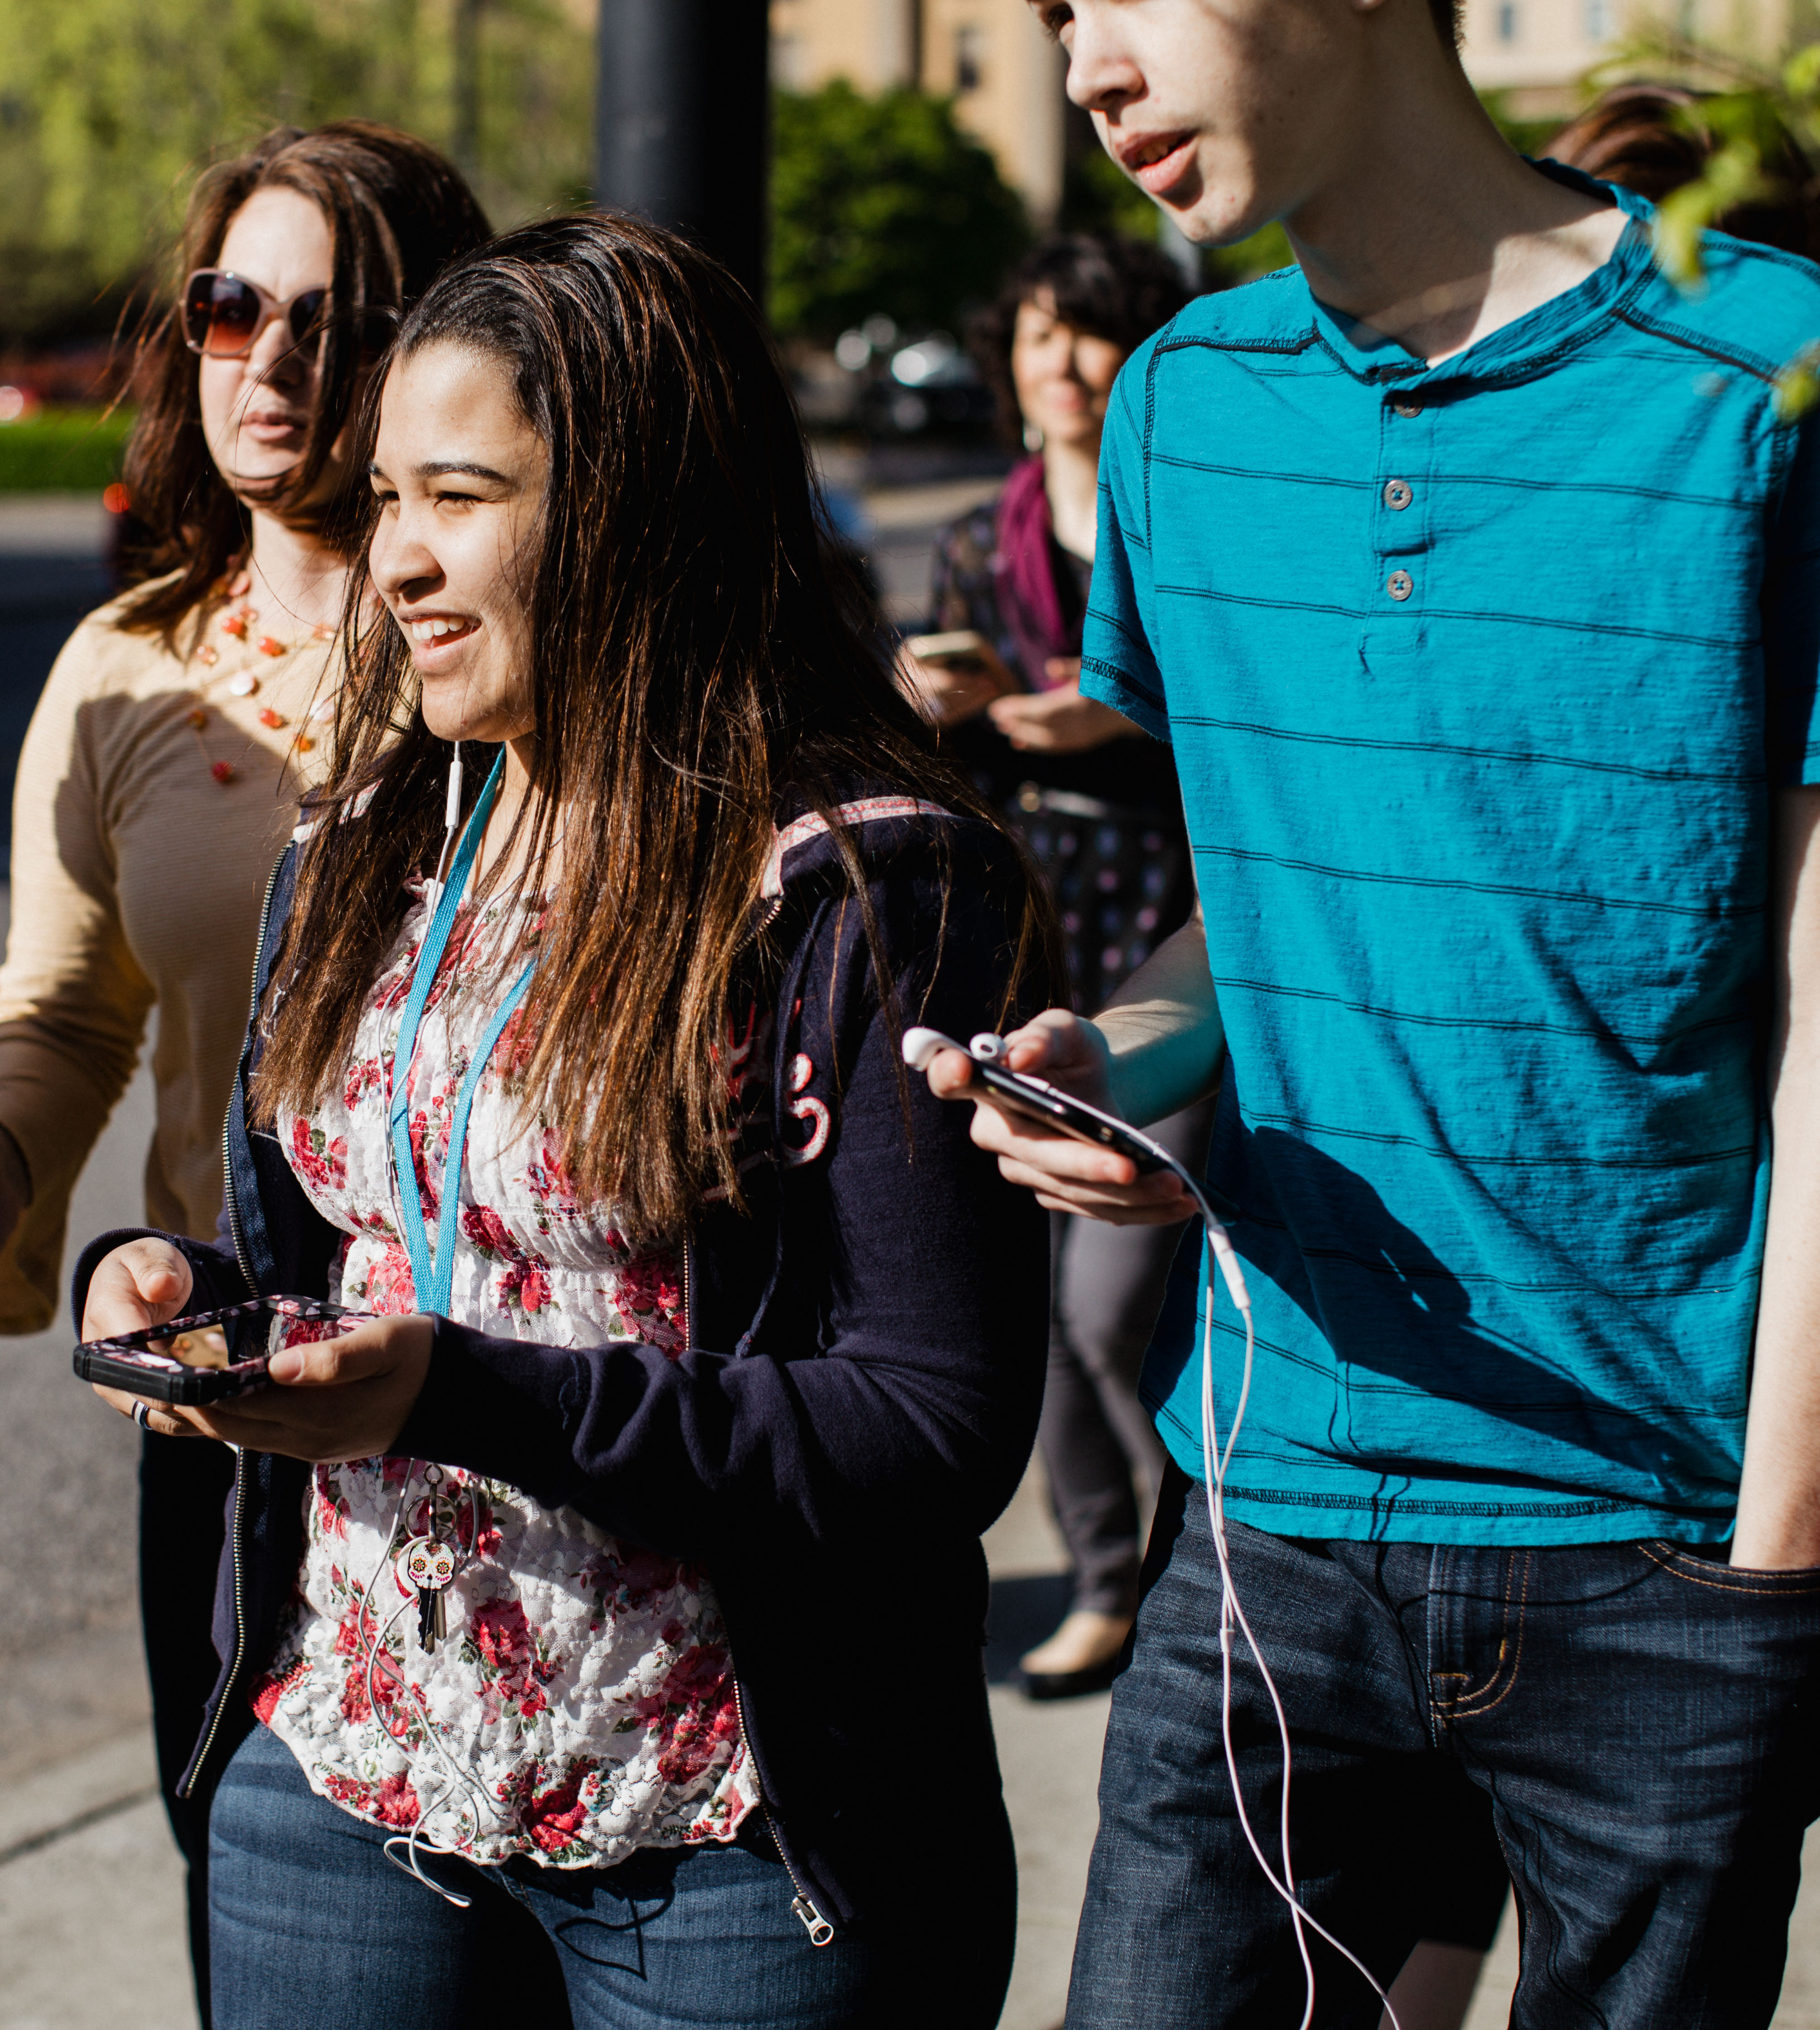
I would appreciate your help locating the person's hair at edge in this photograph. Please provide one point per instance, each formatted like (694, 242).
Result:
(1117, 289)
(1650, 138)
(1449, 20)
(397, 212)
(699, 656)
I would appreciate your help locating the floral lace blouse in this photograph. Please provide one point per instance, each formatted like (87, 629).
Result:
(579, 1702)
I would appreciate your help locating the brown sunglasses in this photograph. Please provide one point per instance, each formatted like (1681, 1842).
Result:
(223, 315)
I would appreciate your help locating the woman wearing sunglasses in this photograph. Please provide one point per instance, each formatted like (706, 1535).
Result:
(161, 773)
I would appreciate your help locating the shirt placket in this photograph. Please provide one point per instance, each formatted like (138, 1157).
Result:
(1402, 557)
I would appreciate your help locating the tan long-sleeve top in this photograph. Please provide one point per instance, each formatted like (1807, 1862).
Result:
(137, 878)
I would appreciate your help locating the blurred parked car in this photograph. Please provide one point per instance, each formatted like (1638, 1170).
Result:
(891, 383)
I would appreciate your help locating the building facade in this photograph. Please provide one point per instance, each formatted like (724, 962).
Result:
(1540, 51)
(1004, 74)
(1006, 77)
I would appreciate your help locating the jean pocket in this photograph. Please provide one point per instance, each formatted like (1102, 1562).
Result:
(1739, 1582)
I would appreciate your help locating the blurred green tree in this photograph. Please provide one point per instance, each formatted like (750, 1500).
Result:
(882, 204)
(109, 107)
(1097, 196)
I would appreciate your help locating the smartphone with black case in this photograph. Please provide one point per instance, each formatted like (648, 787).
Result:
(211, 1356)
(1038, 1100)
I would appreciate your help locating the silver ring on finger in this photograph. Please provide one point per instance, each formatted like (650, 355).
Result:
(142, 1414)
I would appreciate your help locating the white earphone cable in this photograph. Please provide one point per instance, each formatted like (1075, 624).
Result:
(919, 1047)
(475, 1801)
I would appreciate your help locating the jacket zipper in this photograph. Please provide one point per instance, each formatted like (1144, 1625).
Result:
(233, 1210)
(238, 1532)
(803, 1905)
(226, 1699)
(821, 1932)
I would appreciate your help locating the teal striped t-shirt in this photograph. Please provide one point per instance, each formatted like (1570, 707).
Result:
(1480, 679)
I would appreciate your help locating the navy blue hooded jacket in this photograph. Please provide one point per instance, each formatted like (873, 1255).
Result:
(859, 1398)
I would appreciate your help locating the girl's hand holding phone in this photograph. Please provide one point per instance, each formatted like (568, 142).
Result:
(335, 1399)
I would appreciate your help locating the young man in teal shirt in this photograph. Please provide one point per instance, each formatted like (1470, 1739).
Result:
(1473, 572)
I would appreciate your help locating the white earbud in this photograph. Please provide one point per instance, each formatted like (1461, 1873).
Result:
(919, 1046)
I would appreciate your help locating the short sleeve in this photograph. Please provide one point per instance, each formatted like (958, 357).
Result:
(1117, 664)
(1792, 617)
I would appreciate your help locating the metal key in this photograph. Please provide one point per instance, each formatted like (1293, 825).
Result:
(428, 1563)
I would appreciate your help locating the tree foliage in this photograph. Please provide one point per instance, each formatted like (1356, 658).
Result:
(108, 109)
(882, 204)
(1754, 110)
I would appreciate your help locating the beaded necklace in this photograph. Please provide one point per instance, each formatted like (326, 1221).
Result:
(238, 623)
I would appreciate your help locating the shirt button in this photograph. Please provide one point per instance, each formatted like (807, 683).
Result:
(1397, 494)
(1399, 585)
(1407, 408)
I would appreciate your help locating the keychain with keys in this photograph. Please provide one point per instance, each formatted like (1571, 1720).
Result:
(427, 1564)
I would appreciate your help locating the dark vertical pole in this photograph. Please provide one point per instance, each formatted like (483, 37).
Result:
(681, 121)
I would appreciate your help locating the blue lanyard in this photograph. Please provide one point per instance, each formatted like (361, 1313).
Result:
(431, 1282)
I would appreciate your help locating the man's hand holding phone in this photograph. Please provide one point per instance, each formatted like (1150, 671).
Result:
(1067, 1175)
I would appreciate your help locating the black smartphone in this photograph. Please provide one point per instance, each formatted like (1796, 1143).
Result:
(1040, 1101)
(211, 1356)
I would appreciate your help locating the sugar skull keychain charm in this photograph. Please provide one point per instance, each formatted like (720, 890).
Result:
(427, 1564)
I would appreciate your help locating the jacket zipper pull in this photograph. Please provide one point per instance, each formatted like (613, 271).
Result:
(821, 1932)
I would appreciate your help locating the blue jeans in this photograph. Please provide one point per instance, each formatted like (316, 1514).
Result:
(1642, 1718)
(309, 1923)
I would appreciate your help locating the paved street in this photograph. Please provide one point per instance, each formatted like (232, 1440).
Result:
(90, 1897)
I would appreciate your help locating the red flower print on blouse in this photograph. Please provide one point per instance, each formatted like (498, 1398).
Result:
(425, 1191)
(509, 1655)
(390, 1292)
(627, 1579)
(517, 1046)
(484, 1229)
(695, 1713)
(393, 1802)
(358, 1629)
(552, 1182)
(648, 1287)
(395, 991)
(355, 1708)
(523, 1281)
(488, 1539)
(554, 1819)
(363, 1074)
(273, 1687)
(331, 1508)
(454, 953)
(316, 1159)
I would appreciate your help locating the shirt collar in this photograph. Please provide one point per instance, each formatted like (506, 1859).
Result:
(1519, 347)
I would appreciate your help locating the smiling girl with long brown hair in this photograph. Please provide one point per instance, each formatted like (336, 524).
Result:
(709, 1344)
